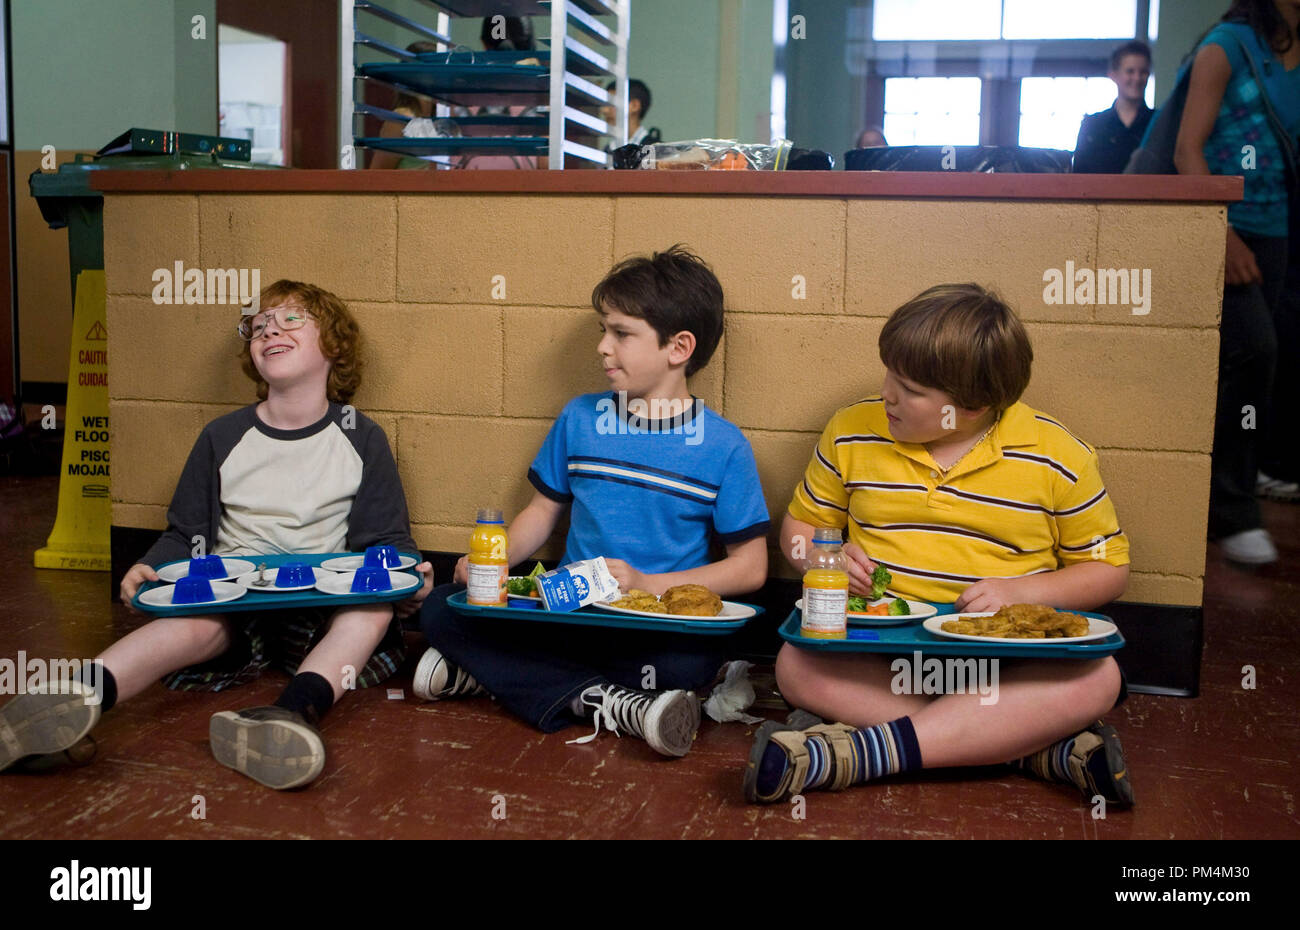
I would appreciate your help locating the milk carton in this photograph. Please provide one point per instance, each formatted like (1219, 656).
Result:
(576, 585)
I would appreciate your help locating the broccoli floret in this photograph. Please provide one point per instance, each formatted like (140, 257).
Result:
(898, 608)
(880, 580)
(857, 605)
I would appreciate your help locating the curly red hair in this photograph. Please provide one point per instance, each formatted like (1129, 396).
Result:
(340, 337)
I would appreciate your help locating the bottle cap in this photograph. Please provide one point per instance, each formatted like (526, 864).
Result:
(488, 515)
(827, 535)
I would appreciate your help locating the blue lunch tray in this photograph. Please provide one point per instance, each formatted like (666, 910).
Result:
(261, 600)
(914, 637)
(594, 616)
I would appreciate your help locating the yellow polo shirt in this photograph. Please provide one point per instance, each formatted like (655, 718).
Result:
(1029, 498)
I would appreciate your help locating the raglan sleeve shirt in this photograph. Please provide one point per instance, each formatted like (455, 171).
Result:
(1086, 526)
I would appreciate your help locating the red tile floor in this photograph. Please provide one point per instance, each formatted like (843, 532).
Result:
(1217, 766)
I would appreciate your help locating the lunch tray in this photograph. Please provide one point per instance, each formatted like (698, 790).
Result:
(916, 638)
(260, 600)
(594, 616)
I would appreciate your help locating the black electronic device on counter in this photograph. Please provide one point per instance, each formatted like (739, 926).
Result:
(164, 142)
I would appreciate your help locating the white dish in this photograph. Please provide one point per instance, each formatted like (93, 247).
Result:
(178, 570)
(350, 563)
(342, 584)
(248, 579)
(1097, 629)
(919, 611)
(524, 597)
(222, 592)
(730, 611)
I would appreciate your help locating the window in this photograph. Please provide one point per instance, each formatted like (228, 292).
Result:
(936, 20)
(1052, 108)
(1068, 19)
(933, 111)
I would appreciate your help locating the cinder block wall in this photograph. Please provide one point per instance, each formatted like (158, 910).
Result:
(466, 385)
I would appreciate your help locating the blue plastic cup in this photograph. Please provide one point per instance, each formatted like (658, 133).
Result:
(371, 579)
(523, 603)
(209, 566)
(193, 590)
(294, 575)
(382, 557)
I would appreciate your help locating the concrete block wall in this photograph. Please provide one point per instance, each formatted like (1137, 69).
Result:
(466, 385)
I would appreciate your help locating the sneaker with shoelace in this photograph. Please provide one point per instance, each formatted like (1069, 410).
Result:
(271, 745)
(437, 678)
(667, 720)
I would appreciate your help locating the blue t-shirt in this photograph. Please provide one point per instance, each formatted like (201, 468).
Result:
(651, 490)
(1242, 121)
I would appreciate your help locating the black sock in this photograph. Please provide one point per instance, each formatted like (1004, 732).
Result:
(97, 677)
(308, 694)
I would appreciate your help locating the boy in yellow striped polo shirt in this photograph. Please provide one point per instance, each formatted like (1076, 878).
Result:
(967, 496)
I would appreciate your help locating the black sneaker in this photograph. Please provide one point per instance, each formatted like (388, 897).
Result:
(437, 677)
(1097, 765)
(667, 720)
(46, 721)
(271, 745)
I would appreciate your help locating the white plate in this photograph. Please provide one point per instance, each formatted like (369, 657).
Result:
(222, 591)
(248, 579)
(178, 570)
(342, 584)
(1097, 629)
(920, 610)
(350, 563)
(730, 611)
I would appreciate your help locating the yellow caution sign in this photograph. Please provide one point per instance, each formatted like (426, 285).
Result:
(80, 535)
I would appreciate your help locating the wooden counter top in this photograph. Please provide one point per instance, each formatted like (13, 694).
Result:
(899, 184)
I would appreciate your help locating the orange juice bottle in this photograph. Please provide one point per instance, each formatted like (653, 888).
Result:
(488, 564)
(826, 588)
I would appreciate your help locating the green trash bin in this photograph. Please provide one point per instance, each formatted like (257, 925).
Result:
(66, 198)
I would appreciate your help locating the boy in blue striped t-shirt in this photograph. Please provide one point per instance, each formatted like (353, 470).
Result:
(650, 478)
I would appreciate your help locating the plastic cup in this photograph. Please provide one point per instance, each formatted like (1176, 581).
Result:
(193, 590)
(209, 566)
(294, 575)
(523, 603)
(371, 579)
(382, 557)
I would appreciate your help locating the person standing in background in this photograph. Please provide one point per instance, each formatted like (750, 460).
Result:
(1108, 138)
(1224, 118)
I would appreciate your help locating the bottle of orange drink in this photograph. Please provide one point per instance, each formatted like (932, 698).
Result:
(489, 565)
(826, 588)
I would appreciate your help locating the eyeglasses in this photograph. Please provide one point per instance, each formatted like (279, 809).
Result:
(286, 317)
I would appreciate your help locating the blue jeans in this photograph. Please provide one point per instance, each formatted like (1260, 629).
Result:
(535, 669)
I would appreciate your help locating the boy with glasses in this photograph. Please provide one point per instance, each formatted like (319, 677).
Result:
(295, 473)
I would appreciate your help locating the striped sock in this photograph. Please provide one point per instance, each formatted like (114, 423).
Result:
(1050, 764)
(885, 749)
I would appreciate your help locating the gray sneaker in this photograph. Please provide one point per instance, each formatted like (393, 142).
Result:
(47, 720)
(270, 745)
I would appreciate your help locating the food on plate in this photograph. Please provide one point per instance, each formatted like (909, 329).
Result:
(692, 600)
(1022, 621)
(895, 608)
(636, 599)
(524, 586)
